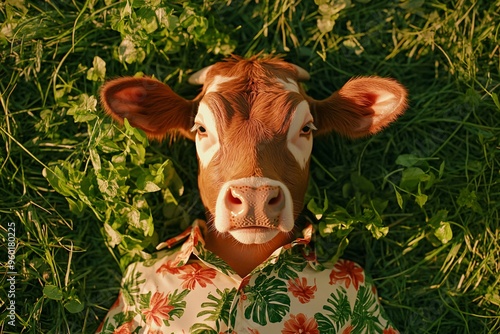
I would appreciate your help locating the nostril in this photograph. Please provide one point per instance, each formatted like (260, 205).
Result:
(236, 202)
(232, 198)
(275, 200)
(275, 203)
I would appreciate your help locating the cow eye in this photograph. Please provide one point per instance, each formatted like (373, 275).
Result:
(200, 129)
(307, 129)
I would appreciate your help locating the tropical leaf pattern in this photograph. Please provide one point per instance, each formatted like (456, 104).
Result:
(336, 313)
(131, 285)
(218, 309)
(287, 267)
(268, 300)
(365, 310)
(214, 260)
(189, 289)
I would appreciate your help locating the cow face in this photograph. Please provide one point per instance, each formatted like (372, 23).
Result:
(253, 126)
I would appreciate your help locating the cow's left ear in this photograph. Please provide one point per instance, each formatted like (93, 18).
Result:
(148, 104)
(363, 106)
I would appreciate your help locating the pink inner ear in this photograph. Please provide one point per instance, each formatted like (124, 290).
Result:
(131, 94)
(385, 103)
(149, 105)
(361, 107)
(369, 100)
(383, 96)
(126, 103)
(123, 109)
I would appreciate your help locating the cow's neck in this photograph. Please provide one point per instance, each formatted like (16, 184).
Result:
(242, 258)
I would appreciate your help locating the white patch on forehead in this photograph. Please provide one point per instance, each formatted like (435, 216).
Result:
(300, 146)
(289, 85)
(214, 85)
(208, 144)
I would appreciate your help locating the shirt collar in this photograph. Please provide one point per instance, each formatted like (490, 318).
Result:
(193, 242)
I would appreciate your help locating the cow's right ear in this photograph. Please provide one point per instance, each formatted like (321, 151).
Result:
(149, 105)
(362, 107)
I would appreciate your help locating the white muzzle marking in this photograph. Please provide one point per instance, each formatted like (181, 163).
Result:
(253, 232)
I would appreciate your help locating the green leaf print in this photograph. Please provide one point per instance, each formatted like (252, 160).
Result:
(119, 319)
(324, 324)
(122, 317)
(202, 329)
(232, 316)
(288, 266)
(131, 285)
(365, 317)
(177, 301)
(339, 312)
(144, 300)
(268, 300)
(218, 309)
(214, 260)
(157, 256)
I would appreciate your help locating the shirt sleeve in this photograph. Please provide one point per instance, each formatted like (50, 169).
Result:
(122, 316)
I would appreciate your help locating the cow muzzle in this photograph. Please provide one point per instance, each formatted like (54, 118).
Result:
(254, 207)
(254, 210)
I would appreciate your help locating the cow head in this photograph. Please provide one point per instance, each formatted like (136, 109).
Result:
(253, 125)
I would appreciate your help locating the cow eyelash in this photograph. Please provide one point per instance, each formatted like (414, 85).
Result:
(307, 129)
(200, 129)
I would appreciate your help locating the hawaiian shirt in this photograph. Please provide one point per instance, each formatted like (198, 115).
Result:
(188, 289)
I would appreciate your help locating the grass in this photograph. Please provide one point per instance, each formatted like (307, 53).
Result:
(418, 205)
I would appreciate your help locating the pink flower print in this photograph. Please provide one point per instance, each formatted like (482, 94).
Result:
(299, 288)
(194, 273)
(170, 267)
(158, 310)
(300, 324)
(348, 272)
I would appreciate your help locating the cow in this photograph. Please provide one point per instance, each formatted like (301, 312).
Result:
(250, 267)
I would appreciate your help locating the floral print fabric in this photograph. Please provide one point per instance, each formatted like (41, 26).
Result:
(187, 289)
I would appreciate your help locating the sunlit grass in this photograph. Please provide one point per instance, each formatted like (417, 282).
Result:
(437, 269)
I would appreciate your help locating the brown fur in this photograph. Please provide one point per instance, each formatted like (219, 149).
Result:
(149, 105)
(345, 110)
(253, 113)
